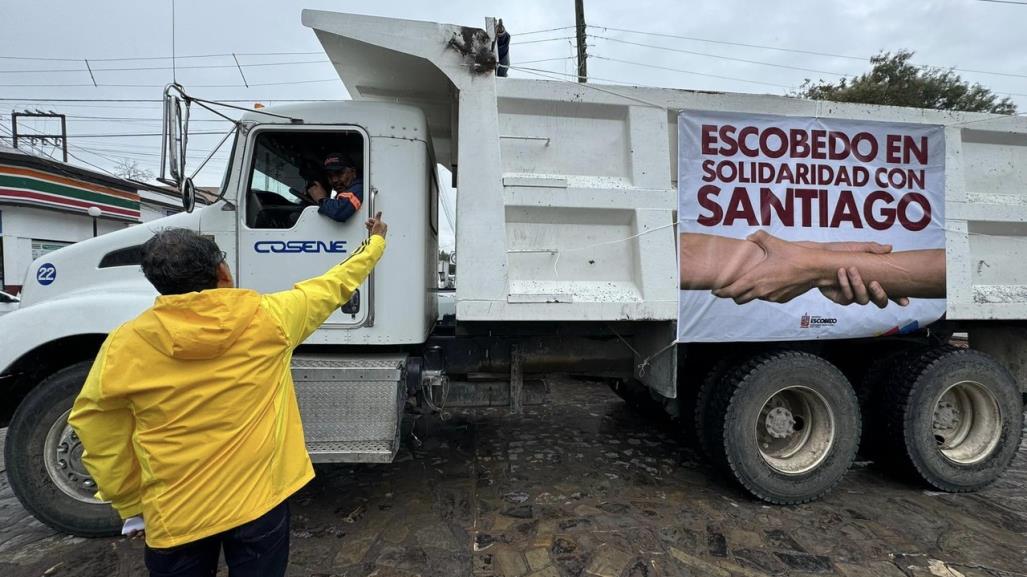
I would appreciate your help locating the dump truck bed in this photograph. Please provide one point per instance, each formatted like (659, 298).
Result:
(567, 192)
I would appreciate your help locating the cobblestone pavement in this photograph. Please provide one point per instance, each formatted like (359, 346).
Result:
(584, 486)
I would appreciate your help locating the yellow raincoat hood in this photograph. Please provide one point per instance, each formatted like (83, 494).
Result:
(201, 325)
(189, 414)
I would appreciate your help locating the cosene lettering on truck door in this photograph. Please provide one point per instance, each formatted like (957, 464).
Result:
(293, 246)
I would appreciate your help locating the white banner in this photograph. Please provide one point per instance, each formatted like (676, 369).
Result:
(796, 228)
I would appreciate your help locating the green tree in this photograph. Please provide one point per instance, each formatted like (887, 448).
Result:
(894, 81)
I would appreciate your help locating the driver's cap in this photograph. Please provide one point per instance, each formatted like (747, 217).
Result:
(338, 161)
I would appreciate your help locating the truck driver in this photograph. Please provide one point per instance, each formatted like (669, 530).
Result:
(344, 177)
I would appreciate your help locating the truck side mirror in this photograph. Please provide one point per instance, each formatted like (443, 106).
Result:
(188, 195)
(174, 137)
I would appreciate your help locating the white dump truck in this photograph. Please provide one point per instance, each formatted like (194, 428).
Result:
(567, 201)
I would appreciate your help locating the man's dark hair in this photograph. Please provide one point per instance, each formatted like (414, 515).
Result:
(178, 261)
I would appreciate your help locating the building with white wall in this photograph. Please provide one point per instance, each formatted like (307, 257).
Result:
(44, 205)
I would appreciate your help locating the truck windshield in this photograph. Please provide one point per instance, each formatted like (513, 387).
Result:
(228, 166)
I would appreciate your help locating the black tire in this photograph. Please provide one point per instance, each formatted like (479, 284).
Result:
(26, 469)
(736, 408)
(913, 401)
(620, 388)
(873, 383)
(637, 397)
(711, 381)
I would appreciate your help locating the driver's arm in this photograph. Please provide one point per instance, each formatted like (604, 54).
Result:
(340, 208)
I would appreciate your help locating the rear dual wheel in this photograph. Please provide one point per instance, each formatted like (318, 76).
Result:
(785, 425)
(954, 419)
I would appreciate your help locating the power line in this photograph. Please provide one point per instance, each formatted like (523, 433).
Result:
(94, 152)
(127, 119)
(135, 134)
(103, 156)
(543, 40)
(793, 50)
(317, 52)
(120, 152)
(542, 72)
(158, 100)
(589, 85)
(145, 68)
(736, 79)
(88, 107)
(174, 53)
(60, 163)
(694, 53)
(135, 152)
(130, 120)
(1004, 2)
(541, 31)
(600, 27)
(725, 42)
(130, 59)
(546, 60)
(105, 85)
(336, 79)
(103, 170)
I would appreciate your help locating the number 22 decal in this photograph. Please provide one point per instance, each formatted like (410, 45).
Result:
(46, 274)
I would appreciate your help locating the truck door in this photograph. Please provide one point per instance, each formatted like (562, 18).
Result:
(283, 239)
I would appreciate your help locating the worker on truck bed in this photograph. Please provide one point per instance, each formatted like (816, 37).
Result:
(503, 48)
(189, 417)
(344, 176)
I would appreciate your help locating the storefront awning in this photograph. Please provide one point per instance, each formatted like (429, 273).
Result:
(32, 181)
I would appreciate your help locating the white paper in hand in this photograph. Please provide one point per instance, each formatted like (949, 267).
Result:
(132, 525)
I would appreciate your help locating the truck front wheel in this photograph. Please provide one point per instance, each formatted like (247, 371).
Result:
(954, 418)
(787, 424)
(44, 460)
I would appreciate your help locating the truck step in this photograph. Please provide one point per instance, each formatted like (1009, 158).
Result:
(352, 451)
(351, 406)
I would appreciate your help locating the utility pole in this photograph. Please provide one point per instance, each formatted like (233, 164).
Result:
(579, 18)
(62, 137)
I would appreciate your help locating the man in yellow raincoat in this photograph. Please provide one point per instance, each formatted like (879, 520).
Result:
(189, 417)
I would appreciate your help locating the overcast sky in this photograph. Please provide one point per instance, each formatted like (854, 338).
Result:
(282, 60)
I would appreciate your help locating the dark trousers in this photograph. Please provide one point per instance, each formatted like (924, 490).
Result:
(259, 548)
(504, 63)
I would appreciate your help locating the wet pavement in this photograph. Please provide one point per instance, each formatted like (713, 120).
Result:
(585, 486)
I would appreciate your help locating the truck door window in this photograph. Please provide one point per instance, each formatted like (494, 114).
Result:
(284, 165)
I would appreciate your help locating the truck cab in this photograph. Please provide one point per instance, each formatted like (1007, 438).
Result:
(273, 236)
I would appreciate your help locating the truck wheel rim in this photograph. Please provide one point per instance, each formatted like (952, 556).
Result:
(795, 430)
(967, 422)
(62, 455)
